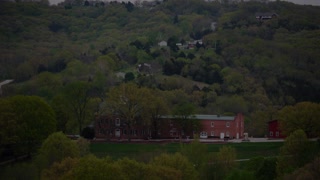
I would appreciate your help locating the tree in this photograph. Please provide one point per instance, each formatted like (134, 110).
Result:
(296, 152)
(77, 95)
(56, 148)
(60, 170)
(303, 115)
(156, 109)
(221, 163)
(197, 154)
(178, 162)
(25, 121)
(91, 167)
(129, 102)
(129, 76)
(184, 114)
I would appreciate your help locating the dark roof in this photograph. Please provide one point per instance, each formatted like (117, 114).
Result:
(206, 117)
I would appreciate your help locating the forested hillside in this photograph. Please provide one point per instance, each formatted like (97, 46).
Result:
(239, 63)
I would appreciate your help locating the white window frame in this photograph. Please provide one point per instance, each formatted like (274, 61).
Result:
(212, 133)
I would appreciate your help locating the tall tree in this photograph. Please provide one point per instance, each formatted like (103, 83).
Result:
(156, 109)
(129, 102)
(184, 114)
(77, 95)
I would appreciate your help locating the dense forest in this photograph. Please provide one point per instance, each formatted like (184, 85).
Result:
(236, 63)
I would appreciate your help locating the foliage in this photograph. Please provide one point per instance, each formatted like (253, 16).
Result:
(84, 146)
(78, 96)
(295, 153)
(56, 148)
(25, 122)
(262, 167)
(22, 170)
(309, 171)
(178, 162)
(130, 102)
(303, 116)
(197, 153)
(88, 133)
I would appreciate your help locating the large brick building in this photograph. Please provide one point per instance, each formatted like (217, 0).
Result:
(210, 126)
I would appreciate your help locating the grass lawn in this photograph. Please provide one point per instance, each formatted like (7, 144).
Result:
(144, 152)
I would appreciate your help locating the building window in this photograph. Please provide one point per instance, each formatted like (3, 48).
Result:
(117, 122)
(271, 134)
(125, 132)
(277, 133)
(228, 124)
(212, 133)
(203, 134)
(212, 124)
(227, 134)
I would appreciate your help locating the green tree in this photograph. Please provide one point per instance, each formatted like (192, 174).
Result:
(25, 121)
(221, 163)
(156, 109)
(178, 162)
(184, 114)
(296, 152)
(130, 102)
(77, 95)
(60, 170)
(303, 115)
(91, 167)
(197, 154)
(56, 148)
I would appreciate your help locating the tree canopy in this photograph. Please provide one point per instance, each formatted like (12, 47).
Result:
(25, 122)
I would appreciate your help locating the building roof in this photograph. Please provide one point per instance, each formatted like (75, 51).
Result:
(214, 117)
(206, 117)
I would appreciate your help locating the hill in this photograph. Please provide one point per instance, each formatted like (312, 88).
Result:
(243, 63)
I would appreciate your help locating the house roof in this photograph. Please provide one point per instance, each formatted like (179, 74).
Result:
(206, 117)
(214, 117)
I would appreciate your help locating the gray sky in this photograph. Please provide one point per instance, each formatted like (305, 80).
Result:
(309, 2)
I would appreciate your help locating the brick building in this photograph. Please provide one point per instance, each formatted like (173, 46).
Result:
(274, 130)
(210, 126)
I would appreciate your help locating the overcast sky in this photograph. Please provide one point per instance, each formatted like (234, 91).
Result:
(310, 2)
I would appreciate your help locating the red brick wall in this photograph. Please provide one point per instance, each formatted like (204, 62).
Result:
(106, 127)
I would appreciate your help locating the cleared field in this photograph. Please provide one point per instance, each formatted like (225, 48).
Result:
(146, 151)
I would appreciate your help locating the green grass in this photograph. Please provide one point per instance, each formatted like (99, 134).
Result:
(146, 151)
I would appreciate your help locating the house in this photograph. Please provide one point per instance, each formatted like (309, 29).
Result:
(163, 44)
(274, 130)
(211, 126)
(144, 68)
(265, 16)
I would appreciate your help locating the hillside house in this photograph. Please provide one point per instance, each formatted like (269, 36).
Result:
(211, 126)
(265, 16)
(163, 44)
(274, 130)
